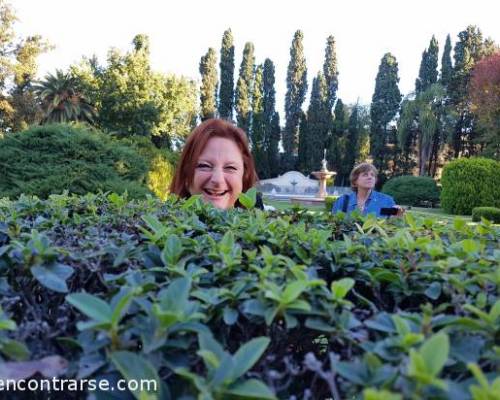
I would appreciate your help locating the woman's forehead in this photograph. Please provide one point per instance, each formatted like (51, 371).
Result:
(221, 149)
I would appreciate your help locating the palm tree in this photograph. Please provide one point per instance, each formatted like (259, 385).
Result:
(61, 101)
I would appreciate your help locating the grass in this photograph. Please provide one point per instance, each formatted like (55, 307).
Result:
(435, 213)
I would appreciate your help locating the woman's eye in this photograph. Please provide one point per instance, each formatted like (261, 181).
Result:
(231, 168)
(204, 166)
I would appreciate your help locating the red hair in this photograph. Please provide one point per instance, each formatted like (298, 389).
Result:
(196, 142)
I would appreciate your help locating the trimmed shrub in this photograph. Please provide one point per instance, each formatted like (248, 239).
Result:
(412, 190)
(468, 183)
(50, 159)
(241, 304)
(161, 165)
(490, 213)
(329, 200)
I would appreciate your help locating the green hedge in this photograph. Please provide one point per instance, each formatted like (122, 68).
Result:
(490, 213)
(412, 190)
(468, 183)
(246, 304)
(53, 158)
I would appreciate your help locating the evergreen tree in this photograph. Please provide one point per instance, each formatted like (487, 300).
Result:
(209, 82)
(269, 105)
(446, 65)
(336, 142)
(352, 141)
(384, 106)
(316, 127)
(428, 67)
(244, 87)
(295, 95)
(226, 88)
(330, 72)
(259, 123)
(273, 149)
(469, 49)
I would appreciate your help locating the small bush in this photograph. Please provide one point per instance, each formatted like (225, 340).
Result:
(468, 183)
(329, 200)
(50, 159)
(490, 213)
(412, 190)
(161, 165)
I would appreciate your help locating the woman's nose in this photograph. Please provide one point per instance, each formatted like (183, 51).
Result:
(217, 175)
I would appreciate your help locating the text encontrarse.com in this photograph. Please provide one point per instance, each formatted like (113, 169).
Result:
(60, 385)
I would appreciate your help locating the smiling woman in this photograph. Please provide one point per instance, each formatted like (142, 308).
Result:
(216, 163)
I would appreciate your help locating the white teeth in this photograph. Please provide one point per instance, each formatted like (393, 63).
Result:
(213, 193)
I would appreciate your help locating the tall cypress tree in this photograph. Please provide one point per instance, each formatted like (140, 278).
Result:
(269, 105)
(296, 82)
(259, 123)
(352, 140)
(446, 65)
(244, 87)
(209, 81)
(469, 49)
(330, 72)
(428, 67)
(316, 127)
(226, 89)
(336, 140)
(384, 106)
(273, 149)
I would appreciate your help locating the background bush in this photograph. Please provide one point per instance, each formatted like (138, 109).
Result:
(468, 183)
(52, 158)
(162, 164)
(412, 190)
(490, 213)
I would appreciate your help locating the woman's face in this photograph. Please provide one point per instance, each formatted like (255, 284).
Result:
(218, 174)
(366, 180)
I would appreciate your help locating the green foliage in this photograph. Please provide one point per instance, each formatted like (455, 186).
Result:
(244, 88)
(19, 105)
(61, 100)
(296, 90)
(468, 183)
(330, 72)
(259, 131)
(209, 83)
(428, 73)
(412, 190)
(134, 100)
(314, 130)
(55, 158)
(226, 88)
(272, 128)
(329, 200)
(490, 213)
(446, 64)
(422, 125)
(161, 165)
(384, 106)
(396, 309)
(469, 49)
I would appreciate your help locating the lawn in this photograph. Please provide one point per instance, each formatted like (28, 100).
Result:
(437, 213)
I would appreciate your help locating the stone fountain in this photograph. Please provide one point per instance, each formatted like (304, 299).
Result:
(323, 174)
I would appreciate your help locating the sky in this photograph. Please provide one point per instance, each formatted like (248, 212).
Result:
(181, 32)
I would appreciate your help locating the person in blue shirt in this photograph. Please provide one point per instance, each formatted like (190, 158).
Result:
(363, 198)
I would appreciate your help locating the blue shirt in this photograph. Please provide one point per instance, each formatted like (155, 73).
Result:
(374, 203)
